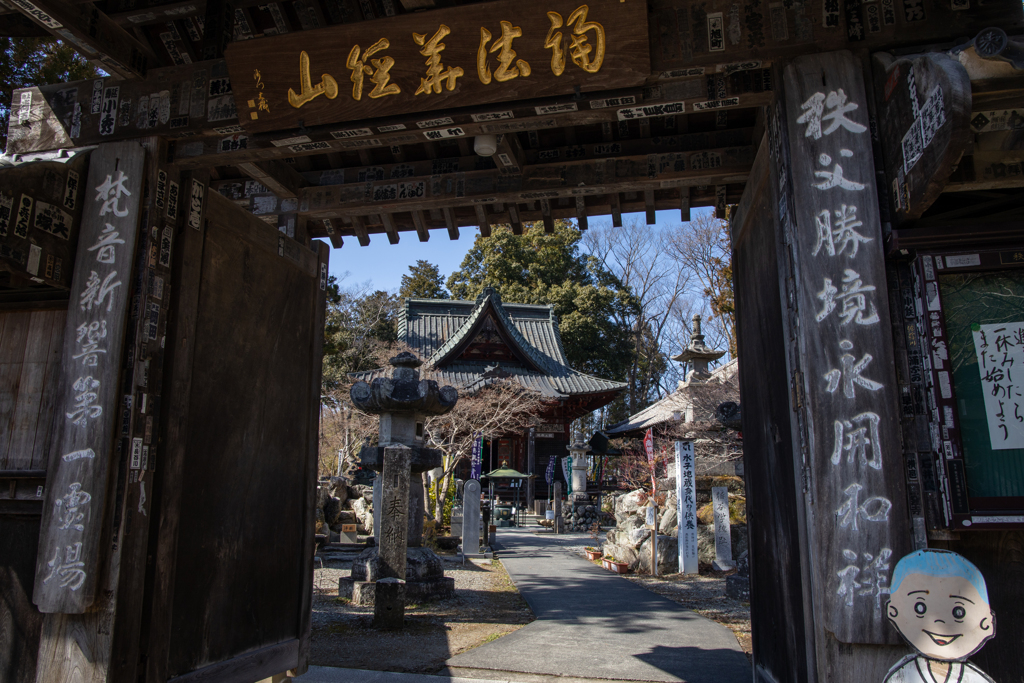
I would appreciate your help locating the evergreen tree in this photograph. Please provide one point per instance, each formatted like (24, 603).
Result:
(36, 61)
(548, 268)
(361, 326)
(423, 281)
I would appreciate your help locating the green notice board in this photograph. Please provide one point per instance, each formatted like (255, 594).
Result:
(971, 299)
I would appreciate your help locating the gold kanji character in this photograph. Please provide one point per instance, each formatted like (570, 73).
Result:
(503, 72)
(378, 74)
(579, 50)
(554, 43)
(432, 51)
(580, 47)
(327, 85)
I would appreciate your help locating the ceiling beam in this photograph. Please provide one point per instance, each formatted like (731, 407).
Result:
(96, 36)
(540, 182)
(277, 176)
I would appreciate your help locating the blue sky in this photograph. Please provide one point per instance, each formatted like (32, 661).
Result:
(383, 264)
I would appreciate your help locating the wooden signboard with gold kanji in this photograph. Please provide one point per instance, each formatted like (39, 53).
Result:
(476, 54)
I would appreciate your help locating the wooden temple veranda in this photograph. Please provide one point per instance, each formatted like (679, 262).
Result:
(163, 289)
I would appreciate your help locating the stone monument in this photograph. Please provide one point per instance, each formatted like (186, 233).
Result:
(471, 518)
(389, 589)
(404, 402)
(723, 532)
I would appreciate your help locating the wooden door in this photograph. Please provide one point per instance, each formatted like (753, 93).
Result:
(30, 347)
(232, 584)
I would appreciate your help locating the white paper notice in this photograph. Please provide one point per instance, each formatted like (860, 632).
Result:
(1000, 349)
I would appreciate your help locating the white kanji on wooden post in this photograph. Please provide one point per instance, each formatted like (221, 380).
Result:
(69, 556)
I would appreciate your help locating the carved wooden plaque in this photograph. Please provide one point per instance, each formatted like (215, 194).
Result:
(493, 52)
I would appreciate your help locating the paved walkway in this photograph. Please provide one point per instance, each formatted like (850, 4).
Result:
(590, 625)
(594, 624)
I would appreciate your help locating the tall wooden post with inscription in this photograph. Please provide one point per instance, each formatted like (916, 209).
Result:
(837, 445)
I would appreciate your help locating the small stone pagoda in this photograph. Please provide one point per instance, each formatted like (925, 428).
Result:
(404, 402)
(698, 354)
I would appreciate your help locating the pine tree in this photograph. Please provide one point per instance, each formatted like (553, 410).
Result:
(424, 281)
(548, 268)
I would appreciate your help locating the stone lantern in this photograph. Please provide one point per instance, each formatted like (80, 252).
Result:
(579, 513)
(698, 354)
(404, 402)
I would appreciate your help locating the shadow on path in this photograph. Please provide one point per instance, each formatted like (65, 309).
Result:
(594, 624)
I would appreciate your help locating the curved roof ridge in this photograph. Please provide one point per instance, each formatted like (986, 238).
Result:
(489, 297)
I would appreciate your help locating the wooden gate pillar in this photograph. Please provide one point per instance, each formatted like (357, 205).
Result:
(822, 314)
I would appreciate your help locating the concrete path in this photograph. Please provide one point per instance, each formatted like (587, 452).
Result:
(331, 674)
(592, 624)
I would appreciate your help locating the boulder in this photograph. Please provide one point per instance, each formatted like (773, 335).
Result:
(706, 541)
(621, 553)
(322, 494)
(637, 536)
(361, 509)
(668, 555)
(332, 510)
(629, 502)
(668, 519)
(339, 488)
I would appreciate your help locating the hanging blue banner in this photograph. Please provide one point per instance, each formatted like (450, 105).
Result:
(550, 474)
(476, 461)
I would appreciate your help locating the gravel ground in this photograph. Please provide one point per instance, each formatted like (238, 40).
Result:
(487, 606)
(704, 594)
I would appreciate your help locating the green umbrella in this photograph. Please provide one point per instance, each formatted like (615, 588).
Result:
(506, 472)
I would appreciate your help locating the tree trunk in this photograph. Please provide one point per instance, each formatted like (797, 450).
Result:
(442, 495)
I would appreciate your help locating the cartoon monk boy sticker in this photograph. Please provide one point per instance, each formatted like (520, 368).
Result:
(939, 604)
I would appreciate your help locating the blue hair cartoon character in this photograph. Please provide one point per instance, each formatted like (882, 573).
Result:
(939, 603)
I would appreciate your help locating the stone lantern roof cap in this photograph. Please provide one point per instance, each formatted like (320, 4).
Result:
(404, 391)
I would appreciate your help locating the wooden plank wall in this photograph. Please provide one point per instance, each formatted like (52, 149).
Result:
(780, 589)
(30, 348)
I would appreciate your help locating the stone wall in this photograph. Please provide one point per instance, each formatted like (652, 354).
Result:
(630, 541)
(339, 502)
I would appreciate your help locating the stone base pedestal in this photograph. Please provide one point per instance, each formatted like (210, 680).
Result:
(424, 577)
(364, 592)
(389, 604)
(579, 514)
(737, 587)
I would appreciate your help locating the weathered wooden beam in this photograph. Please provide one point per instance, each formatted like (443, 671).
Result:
(359, 226)
(389, 228)
(449, 221)
(481, 216)
(513, 216)
(411, 5)
(581, 212)
(332, 233)
(547, 181)
(277, 176)
(509, 157)
(995, 170)
(684, 204)
(421, 226)
(720, 202)
(93, 33)
(597, 205)
(545, 209)
(616, 209)
(649, 205)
